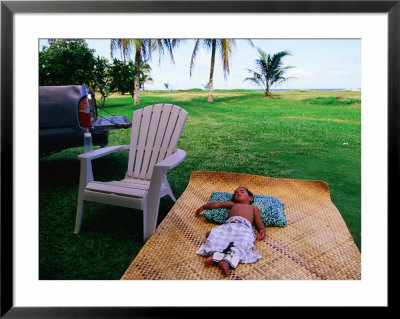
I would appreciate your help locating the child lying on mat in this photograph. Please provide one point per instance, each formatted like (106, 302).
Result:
(233, 242)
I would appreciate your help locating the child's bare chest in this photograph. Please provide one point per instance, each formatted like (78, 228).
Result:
(242, 210)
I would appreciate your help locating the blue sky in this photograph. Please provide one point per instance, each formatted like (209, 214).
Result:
(318, 64)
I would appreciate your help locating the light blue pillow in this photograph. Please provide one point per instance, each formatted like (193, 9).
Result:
(271, 209)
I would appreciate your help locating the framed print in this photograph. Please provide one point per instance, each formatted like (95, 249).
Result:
(27, 293)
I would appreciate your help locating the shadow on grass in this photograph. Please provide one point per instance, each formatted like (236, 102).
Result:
(120, 223)
(223, 99)
(66, 169)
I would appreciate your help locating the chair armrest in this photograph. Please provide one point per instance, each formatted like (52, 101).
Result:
(171, 161)
(102, 152)
(86, 174)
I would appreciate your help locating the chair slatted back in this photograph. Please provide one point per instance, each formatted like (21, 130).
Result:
(156, 130)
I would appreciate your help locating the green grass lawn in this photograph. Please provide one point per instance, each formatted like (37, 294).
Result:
(308, 135)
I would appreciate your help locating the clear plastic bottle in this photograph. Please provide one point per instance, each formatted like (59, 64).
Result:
(87, 142)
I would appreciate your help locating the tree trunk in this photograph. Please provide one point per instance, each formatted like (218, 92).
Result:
(267, 92)
(136, 88)
(211, 82)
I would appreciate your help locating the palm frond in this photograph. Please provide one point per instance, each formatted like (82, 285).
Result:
(123, 45)
(226, 46)
(166, 44)
(194, 53)
(256, 78)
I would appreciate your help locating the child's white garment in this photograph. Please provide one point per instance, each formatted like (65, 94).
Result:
(232, 242)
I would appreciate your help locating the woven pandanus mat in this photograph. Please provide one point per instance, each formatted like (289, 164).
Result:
(315, 244)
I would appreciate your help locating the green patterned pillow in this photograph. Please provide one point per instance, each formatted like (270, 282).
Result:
(271, 209)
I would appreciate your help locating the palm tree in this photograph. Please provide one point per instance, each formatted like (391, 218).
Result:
(144, 71)
(143, 49)
(225, 47)
(269, 70)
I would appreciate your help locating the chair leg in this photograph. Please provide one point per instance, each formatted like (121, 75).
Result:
(169, 192)
(168, 189)
(79, 216)
(150, 215)
(144, 221)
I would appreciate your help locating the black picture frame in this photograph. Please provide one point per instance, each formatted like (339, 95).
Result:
(9, 8)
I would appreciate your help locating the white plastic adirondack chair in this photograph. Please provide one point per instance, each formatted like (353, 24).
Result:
(152, 151)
